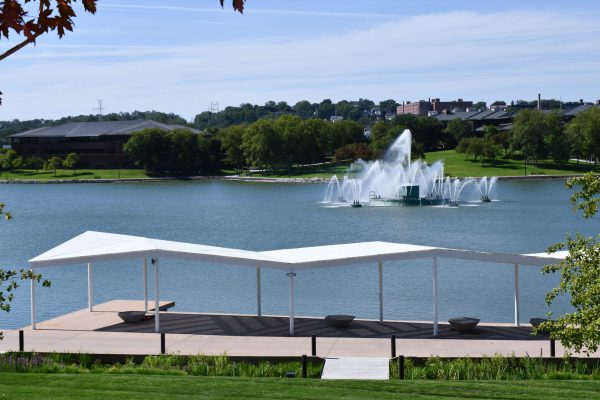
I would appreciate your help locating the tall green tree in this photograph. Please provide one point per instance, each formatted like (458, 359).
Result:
(262, 144)
(53, 164)
(71, 161)
(183, 152)
(528, 133)
(456, 130)
(556, 139)
(231, 143)
(584, 134)
(148, 148)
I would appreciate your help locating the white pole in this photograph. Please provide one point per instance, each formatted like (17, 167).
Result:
(156, 299)
(516, 294)
(145, 284)
(33, 285)
(291, 275)
(435, 297)
(90, 290)
(380, 291)
(258, 300)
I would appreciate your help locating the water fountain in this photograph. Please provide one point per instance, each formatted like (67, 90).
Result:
(485, 186)
(396, 179)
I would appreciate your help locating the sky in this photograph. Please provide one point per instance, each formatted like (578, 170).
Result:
(182, 55)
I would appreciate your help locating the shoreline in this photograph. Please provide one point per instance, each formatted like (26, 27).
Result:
(237, 178)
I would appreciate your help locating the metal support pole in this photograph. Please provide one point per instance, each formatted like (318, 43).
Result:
(552, 348)
(145, 284)
(291, 275)
(393, 346)
(313, 340)
(90, 289)
(21, 341)
(380, 267)
(156, 297)
(401, 367)
(304, 366)
(33, 285)
(517, 295)
(163, 344)
(258, 294)
(435, 297)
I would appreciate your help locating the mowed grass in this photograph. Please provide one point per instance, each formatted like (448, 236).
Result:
(316, 171)
(90, 386)
(460, 165)
(42, 175)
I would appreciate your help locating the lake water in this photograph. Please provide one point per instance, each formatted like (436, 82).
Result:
(528, 217)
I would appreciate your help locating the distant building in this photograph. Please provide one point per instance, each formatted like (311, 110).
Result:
(98, 144)
(436, 106)
(479, 118)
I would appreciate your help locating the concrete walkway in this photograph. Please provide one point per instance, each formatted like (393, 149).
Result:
(356, 368)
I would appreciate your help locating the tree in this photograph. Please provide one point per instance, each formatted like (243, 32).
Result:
(147, 148)
(584, 134)
(529, 129)
(10, 160)
(579, 277)
(261, 144)
(183, 152)
(556, 140)
(457, 130)
(71, 161)
(53, 164)
(36, 163)
(231, 143)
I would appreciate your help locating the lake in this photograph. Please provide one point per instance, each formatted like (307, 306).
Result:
(528, 217)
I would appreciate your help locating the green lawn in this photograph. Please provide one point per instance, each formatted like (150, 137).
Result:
(91, 386)
(77, 174)
(457, 164)
(317, 171)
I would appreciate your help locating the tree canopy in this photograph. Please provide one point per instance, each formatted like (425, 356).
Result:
(579, 329)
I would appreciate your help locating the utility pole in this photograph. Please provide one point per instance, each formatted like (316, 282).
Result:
(100, 109)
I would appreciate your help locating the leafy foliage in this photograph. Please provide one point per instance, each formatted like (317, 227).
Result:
(579, 277)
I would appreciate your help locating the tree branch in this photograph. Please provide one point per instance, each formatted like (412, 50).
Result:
(17, 47)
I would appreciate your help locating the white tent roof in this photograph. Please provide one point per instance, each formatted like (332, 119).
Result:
(100, 246)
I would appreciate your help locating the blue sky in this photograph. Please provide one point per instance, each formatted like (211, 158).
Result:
(181, 55)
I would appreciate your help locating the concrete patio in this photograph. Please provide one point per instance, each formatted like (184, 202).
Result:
(102, 332)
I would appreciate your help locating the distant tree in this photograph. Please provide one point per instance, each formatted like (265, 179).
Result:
(352, 152)
(183, 152)
(326, 109)
(499, 103)
(458, 129)
(71, 161)
(304, 109)
(463, 146)
(53, 164)
(292, 147)
(529, 130)
(262, 145)
(35, 163)
(480, 105)
(388, 107)
(10, 160)
(231, 143)
(584, 134)
(147, 148)
(555, 139)
(477, 148)
(346, 132)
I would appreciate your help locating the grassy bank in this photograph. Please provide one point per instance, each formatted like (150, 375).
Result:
(61, 386)
(41, 175)
(459, 165)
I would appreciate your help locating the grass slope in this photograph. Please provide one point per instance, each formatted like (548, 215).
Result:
(42, 175)
(150, 387)
(459, 165)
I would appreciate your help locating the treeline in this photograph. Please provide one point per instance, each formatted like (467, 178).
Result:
(535, 135)
(268, 143)
(364, 111)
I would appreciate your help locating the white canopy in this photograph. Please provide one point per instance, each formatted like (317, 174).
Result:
(100, 246)
(91, 247)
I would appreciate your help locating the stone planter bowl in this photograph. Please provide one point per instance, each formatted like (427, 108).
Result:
(131, 317)
(463, 324)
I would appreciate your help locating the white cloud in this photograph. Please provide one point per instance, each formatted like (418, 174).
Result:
(493, 56)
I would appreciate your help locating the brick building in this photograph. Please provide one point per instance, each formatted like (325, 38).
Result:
(434, 106)
(98, 144)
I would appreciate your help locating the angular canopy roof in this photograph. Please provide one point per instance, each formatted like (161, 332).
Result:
(100, 246)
